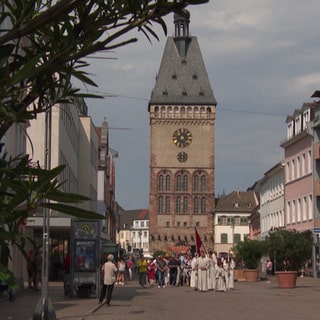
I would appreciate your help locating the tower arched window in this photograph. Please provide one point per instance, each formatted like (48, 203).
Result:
(203, 183)
(160, 204)
(167, 204)
(196, 183)
(203, 205)
(160, 183)
(176, 112)
(196, 205)
(167, 182)
(178, 182)
(185, 204)
(185, 183)
(178, 205)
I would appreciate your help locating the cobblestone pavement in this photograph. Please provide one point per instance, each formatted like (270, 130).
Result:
(249, 300)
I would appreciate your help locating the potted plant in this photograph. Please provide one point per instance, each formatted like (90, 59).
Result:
(288, 250)
(250, 252)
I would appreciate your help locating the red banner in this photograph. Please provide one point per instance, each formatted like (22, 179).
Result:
(198, 241)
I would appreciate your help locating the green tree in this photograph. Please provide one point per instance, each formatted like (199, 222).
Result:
(43, 46)
(250, 251)
(289, 249)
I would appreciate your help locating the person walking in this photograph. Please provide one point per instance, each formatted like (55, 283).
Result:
(161, 270)
(109, 278)
(142, 266)
(121, 270)
(203, 266)
(194, 273)
(129, 266)
(31, 269)
(269, 268)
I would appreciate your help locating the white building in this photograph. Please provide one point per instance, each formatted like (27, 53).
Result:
(272, 214)
(74, 144)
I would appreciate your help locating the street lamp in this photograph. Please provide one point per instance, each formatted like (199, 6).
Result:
(44, 308)
(140, 234)
(232, 231)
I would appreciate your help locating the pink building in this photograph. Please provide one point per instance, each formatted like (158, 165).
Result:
(298, 162)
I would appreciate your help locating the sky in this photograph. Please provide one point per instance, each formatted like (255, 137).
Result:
(263, 62)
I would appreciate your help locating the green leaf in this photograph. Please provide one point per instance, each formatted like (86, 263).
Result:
(74, 211)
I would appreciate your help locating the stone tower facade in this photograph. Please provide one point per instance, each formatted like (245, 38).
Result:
(182, 121)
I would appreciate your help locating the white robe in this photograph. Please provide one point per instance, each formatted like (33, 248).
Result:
(194, 274)
(211, 274)
(220, 279)
(203, 266)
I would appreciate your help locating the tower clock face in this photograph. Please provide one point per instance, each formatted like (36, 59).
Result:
(182, 157)
(182, 137)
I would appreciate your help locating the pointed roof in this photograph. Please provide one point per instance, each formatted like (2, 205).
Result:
(182, 77)
(237, 201)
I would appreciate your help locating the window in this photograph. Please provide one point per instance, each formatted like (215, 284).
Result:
(178, 205)
(203, 183)
(222, 220)
(167, 224)
(185, 204)
(224, 238)
(203, 205)
(160, 183)
(178, 223)
(196, 205)
(237, 221)
(167, 183)
(141, 224)
(185, 224)
(160, 204)
(167, 204)
(243, 221)
(185, 183)
(178, 183)
(195, 183)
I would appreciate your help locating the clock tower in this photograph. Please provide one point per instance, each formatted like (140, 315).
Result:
(182, 115)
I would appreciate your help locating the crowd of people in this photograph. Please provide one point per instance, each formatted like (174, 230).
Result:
(203, 272)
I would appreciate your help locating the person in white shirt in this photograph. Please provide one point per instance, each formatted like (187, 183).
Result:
(109, 278)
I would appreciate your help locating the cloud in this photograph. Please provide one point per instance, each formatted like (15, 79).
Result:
(262, 58)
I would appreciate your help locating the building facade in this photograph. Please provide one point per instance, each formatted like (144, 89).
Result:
(134, 231)
(232, 219)
(271, 210)
(298, 166)
(74, 144)
(182, 139)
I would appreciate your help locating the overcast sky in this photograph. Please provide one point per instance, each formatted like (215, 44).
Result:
(263, 61)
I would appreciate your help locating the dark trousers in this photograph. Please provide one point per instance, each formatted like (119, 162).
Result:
(107, 288)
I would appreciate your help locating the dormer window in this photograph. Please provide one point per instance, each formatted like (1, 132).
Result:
(195, 76)
(174, 76)
(236, 205)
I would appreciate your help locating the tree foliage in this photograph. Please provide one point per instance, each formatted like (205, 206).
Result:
(250, 251)
(288, 249)
(43, 46)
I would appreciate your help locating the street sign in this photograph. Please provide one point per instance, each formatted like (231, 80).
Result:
(316, 230)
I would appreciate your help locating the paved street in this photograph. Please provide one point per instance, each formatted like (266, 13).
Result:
(257, 300)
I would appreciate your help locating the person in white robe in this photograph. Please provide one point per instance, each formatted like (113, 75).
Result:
(212, 271)
(220, 277)
(203, 266)
(232, 265)
(194, 273)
